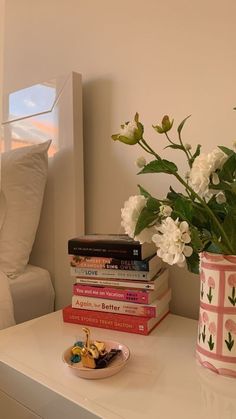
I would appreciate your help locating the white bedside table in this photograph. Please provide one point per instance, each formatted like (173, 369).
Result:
(161, 380)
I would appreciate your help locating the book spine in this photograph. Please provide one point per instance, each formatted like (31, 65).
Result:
(111, 273)
(125, 251)
(136, 296)
(149, 285)
(109, 306)
(106, 320)
(108, 263)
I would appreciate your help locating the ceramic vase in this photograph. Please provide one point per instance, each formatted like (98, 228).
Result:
(216, 340)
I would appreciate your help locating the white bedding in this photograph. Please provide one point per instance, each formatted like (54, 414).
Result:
(6, 304)
(32, 294)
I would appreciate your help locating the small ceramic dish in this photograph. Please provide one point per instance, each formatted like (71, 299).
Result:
(93, 374)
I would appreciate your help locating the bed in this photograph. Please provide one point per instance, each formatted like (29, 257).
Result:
(42, 127)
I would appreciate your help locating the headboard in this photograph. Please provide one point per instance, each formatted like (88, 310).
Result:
(53, 110)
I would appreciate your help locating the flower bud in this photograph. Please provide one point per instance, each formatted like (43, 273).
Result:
(215, 179)
(166, 125)
(165, 210)
(130, 133)
(141, 162)
(187, 146)
(220, 198)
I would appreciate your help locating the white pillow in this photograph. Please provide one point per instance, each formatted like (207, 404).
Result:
(23, 179)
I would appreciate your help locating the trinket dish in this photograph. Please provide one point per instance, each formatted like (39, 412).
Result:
(95, 373)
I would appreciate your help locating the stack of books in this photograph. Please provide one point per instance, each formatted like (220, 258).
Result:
(119, 284)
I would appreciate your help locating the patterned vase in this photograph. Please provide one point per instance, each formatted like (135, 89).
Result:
(216, 343)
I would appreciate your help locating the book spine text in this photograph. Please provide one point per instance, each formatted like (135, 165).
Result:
(120, 307)
(136, 296)
(149, 285)
(111, 273)
(107, 321)
(108, 263)
(126, 252)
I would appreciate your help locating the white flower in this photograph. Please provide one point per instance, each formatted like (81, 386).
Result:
(171, 240)
(203, 169)
(216, 159)
(220, 198)
(128, 130)
(215, 179)
(130, 214)
(141, 162)
(165, 210)
(199, 175)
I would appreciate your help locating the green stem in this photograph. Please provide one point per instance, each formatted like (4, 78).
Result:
(168, 138)
(183, 148)
(147, 151)
(151, 151)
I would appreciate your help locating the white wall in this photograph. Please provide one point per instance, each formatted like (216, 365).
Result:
(152, 56)
(2, 13)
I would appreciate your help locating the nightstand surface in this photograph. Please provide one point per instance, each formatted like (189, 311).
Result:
(161, 380)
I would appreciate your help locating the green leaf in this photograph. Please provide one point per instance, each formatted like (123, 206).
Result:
(172, 195)
(196, 241)
(233, 187)
(184, 208)
(158, 129)
(213, 248)
(153, 204)
(145, 219)
(180, 127)
(230, 198)
(143, 192)
(138, 134)
(200, 216)
(193, 263)
(196, 154)
(226, 150)
(136, 117)
(217, 209)
(159, 166)
(125, 140)
(229, 226)
(227, 173)
(175, 146)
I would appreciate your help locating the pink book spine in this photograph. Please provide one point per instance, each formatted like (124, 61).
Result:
(134, 296)
(122, 323)
(111, 306)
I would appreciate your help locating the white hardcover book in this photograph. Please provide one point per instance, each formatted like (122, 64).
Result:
(121, 283)
(114, 273)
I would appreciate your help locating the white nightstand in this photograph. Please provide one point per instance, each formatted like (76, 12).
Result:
(161, 380)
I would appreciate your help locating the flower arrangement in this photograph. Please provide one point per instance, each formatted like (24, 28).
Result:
(182, 225)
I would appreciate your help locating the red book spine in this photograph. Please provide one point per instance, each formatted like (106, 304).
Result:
(134, 296)
(119, 322)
